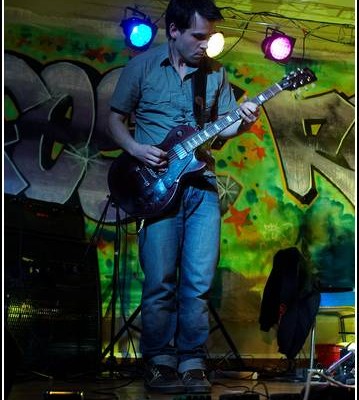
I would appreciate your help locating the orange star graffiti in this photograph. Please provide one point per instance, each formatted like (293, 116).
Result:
(238, 218)
(239, 165)
(244, 70)
(100, 54)
(257, 129)
(260, 151)
(270, 201)
(261, 80)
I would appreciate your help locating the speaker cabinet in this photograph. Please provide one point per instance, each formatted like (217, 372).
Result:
(52, 302)
(41, 216)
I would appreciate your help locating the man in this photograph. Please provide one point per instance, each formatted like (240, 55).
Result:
(179, 250)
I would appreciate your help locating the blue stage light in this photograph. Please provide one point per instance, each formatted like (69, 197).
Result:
(139, 31)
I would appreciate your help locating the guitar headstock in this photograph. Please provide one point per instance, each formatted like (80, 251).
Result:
(297, 79)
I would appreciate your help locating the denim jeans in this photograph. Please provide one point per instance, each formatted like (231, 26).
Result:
(179, 254)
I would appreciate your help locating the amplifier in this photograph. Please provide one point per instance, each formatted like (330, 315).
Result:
(52, 302)
(44, 217)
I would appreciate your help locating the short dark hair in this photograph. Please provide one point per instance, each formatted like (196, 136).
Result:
(181, 12)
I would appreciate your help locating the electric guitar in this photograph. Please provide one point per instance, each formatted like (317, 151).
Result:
(144, 192)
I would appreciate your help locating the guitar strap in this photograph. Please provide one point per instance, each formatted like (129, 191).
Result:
(199, 83)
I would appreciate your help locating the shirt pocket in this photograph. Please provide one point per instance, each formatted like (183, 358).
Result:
(156, 96)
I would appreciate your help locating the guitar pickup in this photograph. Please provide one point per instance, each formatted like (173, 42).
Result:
(180, 151)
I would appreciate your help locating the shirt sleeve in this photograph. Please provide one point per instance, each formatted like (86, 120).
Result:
(127, 90)
(226, 100)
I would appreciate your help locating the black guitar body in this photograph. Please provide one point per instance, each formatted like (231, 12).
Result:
(143, 192)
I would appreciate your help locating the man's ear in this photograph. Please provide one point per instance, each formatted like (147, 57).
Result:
(173, 31)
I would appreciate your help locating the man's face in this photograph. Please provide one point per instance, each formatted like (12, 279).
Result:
(192, 43)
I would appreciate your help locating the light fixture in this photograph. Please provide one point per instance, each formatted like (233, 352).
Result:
(277, 46)
(215, 44)
(138, 29)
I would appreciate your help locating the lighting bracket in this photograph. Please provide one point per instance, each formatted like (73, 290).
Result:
(138, 29)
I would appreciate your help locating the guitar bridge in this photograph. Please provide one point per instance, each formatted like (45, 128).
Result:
(152, 172)
(139, 171)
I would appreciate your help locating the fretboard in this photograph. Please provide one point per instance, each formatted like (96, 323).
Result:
(213, 129)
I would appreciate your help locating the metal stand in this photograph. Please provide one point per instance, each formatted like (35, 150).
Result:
(312, 348)
(338, 363)
(225, 334)
(128, 324)
(111, 361)
(125, 327)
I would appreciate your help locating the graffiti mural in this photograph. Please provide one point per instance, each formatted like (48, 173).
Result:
(61, 105)
(296, 164)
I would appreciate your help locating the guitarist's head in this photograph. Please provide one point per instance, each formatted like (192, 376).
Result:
(189, 25)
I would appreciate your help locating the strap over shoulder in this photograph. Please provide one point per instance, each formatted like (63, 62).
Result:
(199, 84)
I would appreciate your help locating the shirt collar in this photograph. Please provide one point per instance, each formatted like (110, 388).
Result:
(164, 55)
(165, 59)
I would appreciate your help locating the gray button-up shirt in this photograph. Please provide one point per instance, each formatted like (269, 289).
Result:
(151, 87)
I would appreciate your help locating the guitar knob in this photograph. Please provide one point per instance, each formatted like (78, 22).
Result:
(179, 133)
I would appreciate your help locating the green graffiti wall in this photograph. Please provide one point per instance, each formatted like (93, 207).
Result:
(294, 168)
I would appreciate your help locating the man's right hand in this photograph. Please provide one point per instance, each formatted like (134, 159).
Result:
(151, 156)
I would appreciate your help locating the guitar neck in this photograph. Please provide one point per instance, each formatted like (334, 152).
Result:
(213, 129)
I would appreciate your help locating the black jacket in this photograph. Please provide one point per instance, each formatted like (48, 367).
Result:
(290, 300)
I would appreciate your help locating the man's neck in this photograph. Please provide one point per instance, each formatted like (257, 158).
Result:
(177, 61)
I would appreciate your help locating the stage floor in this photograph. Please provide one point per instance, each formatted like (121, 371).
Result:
(115, 386)
(124, 381)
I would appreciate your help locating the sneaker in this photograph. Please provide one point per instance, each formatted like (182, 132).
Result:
(195, 381)
(163, 379)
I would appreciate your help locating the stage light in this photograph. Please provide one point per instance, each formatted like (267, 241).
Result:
(215, 44)
(138, 29)
(277, 46)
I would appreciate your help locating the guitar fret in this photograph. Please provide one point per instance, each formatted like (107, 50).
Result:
(206, 134)
(194, 142)
(211, 131)
(262, 98)
(202, 136)
(272, 93)
(267, 94)
(238, 115)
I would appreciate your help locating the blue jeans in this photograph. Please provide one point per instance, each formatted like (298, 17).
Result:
(179, 254)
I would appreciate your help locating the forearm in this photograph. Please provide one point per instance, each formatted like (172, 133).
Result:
(235, 129)
(148, 154)
(120, 133)
(249, 114)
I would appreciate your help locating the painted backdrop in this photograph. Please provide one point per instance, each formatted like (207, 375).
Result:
(296, 166)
